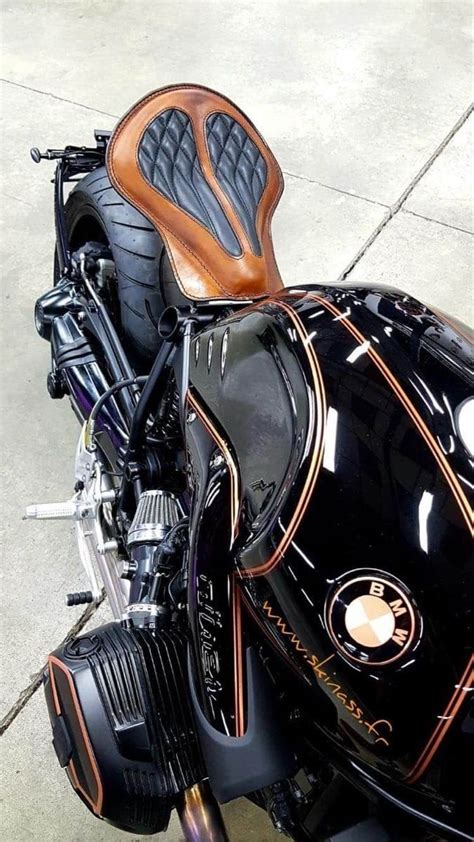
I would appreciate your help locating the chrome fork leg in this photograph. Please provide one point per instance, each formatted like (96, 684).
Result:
(200, 815)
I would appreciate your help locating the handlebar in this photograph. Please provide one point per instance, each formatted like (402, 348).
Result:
(74, 153)
(70, 154)
(49, 154)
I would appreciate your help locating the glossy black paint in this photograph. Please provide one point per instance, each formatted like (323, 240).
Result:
(381, 506)
(76, 360)
(391, 498)
(211, 614)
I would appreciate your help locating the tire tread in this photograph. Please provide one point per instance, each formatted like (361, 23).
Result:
(138, 253)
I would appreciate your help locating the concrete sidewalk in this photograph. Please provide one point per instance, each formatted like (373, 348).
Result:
(366, 106)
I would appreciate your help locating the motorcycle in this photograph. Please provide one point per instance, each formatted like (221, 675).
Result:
(274, 487)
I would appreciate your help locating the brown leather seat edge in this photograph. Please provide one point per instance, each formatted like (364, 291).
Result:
(198, 169)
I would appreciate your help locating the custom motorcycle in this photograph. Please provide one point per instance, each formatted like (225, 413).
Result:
(274, 487)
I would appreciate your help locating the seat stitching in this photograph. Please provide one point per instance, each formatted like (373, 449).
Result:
(172, 186)
(159, 139)
(242, 151)
(252, 212)
(195, 170)
(137, 203)
(178, 204)
(255, 165)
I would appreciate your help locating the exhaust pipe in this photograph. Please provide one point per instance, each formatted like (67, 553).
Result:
(200, 815)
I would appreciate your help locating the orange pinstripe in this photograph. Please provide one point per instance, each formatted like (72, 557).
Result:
(234, 479)
(317, 457)
(97, 805)
(444, 724)
(439, 456)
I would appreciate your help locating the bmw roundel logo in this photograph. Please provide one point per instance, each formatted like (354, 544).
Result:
(372, 618)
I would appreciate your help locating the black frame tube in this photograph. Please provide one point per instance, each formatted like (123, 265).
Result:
(147, 397)
(62, 242)
(101, 325)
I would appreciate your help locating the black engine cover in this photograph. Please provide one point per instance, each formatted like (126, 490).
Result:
(122, 723)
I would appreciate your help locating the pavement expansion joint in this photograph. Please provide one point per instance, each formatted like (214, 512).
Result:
(335, 189)
(437, 221)
(36, 681)
(55, 96)
(393, 210)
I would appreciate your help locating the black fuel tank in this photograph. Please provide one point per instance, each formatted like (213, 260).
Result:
(343, 423)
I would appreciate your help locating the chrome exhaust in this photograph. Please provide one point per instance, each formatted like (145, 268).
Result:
(200, 815)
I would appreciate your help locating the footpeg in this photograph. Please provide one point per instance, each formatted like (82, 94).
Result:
(70, 510)
(89, 509)
(51, 511)
(79, 598)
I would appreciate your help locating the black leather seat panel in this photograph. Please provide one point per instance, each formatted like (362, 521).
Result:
(240, 169)
(169, 161)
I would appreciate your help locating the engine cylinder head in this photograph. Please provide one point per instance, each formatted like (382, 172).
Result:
(129, 754)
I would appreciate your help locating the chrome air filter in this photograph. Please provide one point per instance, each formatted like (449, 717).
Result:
(156, 513)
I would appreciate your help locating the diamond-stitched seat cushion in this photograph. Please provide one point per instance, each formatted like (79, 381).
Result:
(240, 169)
(189, 160)
(169, 161)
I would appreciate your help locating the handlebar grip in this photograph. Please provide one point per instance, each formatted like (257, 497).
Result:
(49, 155)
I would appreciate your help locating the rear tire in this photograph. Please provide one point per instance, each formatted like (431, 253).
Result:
(95, 211)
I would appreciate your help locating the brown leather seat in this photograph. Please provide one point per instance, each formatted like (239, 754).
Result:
(194, 164)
